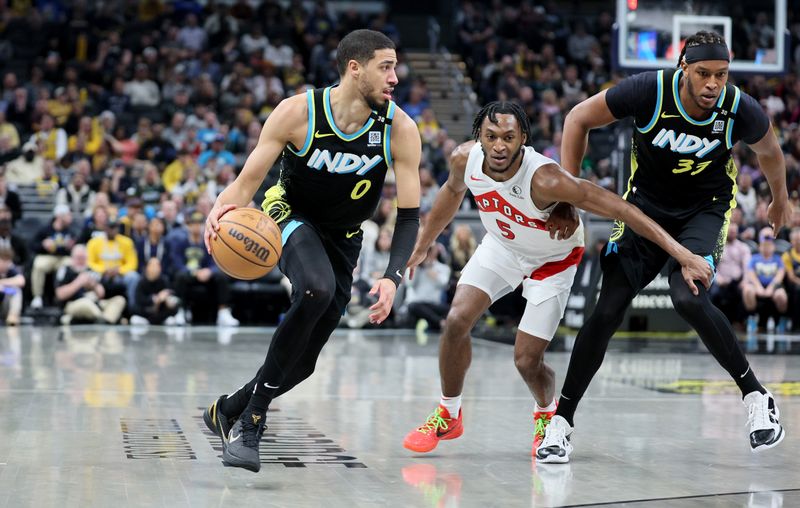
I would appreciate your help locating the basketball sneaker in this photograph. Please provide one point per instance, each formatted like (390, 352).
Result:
(555, 447)
(243, 439)
(540, 421)
(439, 425)
(762, 417)
(217, 422)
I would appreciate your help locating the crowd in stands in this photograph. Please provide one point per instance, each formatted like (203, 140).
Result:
(132, 116)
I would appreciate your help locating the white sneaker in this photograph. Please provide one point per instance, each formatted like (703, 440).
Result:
(170, 321)
(555, 447)
(762, 418)
(37, 302)
(180, 317)
(225, 318)
(139, 320)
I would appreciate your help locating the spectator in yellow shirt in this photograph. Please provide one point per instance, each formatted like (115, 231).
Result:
(87, 140)
(113, 255)
(174, 172)
(9, 139)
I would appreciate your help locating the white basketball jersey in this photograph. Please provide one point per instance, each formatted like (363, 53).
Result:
(509, 215)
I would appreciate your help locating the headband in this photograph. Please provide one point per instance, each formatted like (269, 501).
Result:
(708, 51)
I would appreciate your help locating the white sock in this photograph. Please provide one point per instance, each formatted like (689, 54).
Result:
(452, 404)
(550, 408)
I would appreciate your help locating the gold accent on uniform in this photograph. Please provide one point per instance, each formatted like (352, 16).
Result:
(275, 204)
(256, 418)
(688, 164)
(732, 171)
(617, 230)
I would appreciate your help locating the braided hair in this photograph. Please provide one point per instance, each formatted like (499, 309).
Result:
(495, 108)
(698, 39)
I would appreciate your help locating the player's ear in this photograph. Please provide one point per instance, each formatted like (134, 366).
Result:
(354, 67)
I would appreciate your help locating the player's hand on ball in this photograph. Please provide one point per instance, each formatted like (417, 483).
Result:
(563, 221)
(212, 223)
(385, 289)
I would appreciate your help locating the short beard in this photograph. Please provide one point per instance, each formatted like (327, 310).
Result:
(366, 92)
(510, 163)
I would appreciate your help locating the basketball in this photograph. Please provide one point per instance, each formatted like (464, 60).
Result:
(248, 244)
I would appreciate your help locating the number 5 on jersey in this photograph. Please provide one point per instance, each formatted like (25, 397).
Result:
(505, 228)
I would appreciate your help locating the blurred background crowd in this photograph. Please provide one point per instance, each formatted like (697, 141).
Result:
(121, 121)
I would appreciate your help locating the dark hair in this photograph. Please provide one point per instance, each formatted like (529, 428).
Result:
(698, 39)
(495, 108)
(360, 45)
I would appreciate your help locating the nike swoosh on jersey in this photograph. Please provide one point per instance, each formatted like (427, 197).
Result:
(351, 234)
(664, 115)
(318, 135)
(475, 179)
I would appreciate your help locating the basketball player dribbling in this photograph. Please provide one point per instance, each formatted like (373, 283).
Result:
(684, 177)
(516, 190)
(336, 145)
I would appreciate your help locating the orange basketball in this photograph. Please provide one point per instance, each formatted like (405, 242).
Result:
(248, 244)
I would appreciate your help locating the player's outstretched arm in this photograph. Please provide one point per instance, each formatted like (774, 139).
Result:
(773, 165)
(406, 154)
(448, 201)
(551, 183)
(282, 125)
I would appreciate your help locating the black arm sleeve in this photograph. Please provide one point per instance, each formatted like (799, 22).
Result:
(405, 235)
(751, 122)
(634, 96)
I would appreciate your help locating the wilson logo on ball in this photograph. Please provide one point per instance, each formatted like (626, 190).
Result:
(250, 245)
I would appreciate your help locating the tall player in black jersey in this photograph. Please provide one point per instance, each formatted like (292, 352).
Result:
(336, 145)
(684, 178)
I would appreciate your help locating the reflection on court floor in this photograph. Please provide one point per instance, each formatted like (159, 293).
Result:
(112, 417)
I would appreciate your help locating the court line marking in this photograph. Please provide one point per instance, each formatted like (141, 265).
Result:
(676, 498)
(670, 397)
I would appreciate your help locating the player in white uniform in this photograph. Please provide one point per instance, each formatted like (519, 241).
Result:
(534, 238)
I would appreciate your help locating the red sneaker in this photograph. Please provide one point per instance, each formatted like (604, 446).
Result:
(540, 421)
(439, 425)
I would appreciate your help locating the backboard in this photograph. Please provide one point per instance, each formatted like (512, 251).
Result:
(650, 33)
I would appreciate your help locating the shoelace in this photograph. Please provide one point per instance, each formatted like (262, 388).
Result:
(540, 424)
(758, 415)
(434, 422)
(251, 434)
(554, 436)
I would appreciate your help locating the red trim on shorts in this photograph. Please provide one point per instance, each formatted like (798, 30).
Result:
(554, 267)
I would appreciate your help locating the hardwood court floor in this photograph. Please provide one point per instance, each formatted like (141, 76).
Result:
(111, 417)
